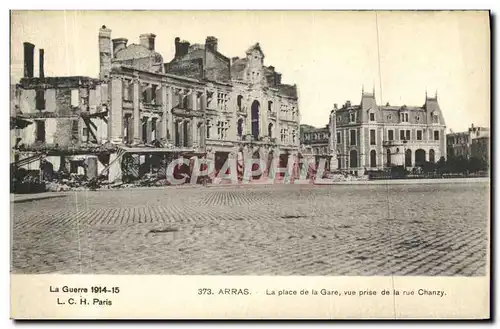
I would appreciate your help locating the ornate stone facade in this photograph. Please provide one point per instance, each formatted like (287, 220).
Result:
(369, 136)
(201, 101)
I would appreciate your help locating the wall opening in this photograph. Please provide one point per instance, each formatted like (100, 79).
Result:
(373, 158)
(419, 157)
(255, 119)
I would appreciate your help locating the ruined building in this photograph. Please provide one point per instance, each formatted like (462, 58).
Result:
(145, 111)
(373, 137)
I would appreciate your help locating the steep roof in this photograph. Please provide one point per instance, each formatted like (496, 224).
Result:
(255, 47)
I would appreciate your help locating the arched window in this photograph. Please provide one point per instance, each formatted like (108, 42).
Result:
(373, 158)
(432, 156)
(353, 158)
(270, 106)
(419, 157)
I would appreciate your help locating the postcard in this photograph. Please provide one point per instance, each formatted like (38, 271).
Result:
(250, 164)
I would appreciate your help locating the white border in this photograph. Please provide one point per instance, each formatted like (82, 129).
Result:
(255, 4)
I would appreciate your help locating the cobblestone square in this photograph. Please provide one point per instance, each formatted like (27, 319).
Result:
(424, 229)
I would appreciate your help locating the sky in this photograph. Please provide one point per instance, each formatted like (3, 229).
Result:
(330, 55)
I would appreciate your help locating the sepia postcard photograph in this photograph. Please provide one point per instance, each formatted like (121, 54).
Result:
(250, 164)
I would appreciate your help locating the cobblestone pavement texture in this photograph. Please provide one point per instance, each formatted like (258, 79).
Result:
(266, 230)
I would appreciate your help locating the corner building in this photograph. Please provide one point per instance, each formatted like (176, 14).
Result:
(200, 102)
(373, 137)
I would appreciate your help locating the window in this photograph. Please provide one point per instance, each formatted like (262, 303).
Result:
(270, 106)
(404, 117)
(75, 97)
(209, 126)
(353, 137)
(222, 101)
(436, 135)
(270, 130)
(417, 118)
(283, 135)
(419, 135)
(185, 137)
(40, 131)
(294, 136)
(40, 99)
(435, 118)
(372, 116)
(239, 128)
(75, 131)
(338, 118)
(144, 130)
(238, 102)
(372, 137)
(389, 117)
(408, 135)
(373, 158)
(222, 127)
(153, 129)
(391, 135)
(338, 138)
(401, 134)
(352, 117)
(85, 134)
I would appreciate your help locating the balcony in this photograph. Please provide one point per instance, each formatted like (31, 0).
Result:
(408, 142)
(150, 107)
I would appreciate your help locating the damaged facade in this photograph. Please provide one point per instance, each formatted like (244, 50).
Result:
(143, 112)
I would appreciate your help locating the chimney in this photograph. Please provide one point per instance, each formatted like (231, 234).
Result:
(148, 40)
(119, 44)
(348, 103)
(105, 52)
(335, 106)
(181, 47)
(41, 63)
(29, 52)
(211, 44)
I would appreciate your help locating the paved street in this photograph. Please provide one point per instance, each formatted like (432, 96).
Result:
(430, 229)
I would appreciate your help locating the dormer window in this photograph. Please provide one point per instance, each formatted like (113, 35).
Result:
(372, 116)
(352, 117)
(404, 117)
(435, 117)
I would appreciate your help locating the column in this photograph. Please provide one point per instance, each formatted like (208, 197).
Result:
(333, 140)
(362, 157)
(162, 126)
(149, 124)
(189, 133)
(115, 170)
(345, 156)
(137, 116)
(115, 122)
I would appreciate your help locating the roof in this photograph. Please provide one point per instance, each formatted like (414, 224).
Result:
(255, 47)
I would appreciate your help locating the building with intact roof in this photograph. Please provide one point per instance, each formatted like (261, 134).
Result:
(368, 136)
